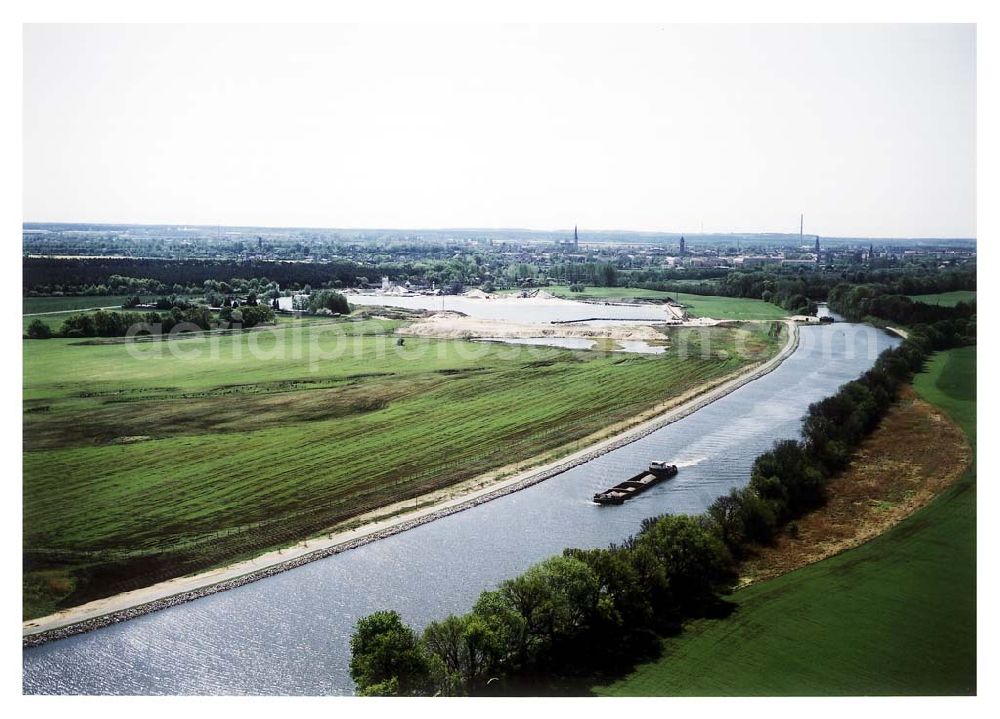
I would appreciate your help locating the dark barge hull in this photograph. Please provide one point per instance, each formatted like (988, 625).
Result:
(634, 486)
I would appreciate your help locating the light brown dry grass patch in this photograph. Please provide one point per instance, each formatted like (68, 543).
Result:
(914, 454)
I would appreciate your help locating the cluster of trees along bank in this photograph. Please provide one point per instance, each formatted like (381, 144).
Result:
(598, 610)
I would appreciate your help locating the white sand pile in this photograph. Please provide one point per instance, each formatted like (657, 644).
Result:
(478, 294)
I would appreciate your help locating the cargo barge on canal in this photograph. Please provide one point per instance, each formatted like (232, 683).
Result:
(657, 472)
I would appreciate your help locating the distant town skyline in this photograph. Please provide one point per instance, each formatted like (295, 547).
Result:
(867, 130)
(562, 234)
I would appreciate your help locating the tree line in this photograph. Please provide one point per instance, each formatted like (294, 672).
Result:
(42, 275)
(108, 276)
(118, 324)
(594, 610)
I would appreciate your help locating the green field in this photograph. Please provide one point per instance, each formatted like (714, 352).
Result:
(58, 309)
(894, 616)
(717, 307)
(730, 308)
(33, 305)
(606, 293)
(945, 299)
(56, 319)
(137, 469)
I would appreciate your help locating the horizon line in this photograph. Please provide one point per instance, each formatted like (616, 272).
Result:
(501, 229)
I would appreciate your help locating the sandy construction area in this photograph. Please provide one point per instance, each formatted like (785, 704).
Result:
(451, 325)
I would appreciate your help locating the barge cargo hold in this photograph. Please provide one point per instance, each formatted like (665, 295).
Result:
(657, 472)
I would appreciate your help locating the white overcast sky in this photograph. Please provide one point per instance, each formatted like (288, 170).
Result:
(868, 130)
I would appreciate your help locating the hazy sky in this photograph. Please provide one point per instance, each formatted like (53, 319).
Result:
(868, 130)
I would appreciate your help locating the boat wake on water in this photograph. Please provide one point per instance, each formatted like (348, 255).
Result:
(682, 463)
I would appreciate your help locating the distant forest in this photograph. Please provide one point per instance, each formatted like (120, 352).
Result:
(43, 275)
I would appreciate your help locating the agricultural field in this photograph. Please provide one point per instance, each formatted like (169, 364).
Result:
(54, 320)
(730, 308)
(34, 305)
(57, 309)
(606, 293)
(946, 299)
(896, 615)
(150, 460)
(715, 306)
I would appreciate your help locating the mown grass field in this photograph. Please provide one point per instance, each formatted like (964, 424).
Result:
(31, 305)
(606, 293)
(137, 469)
(730, 308)
(715, 306)
(945, 299)
(56, 319)
(893, 616)
(61, 308)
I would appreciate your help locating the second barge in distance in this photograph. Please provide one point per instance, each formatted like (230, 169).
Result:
(657, 472)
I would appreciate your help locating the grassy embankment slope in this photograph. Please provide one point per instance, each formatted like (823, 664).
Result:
(893, 616)
(141, 469)
(945, 299)
(715, 306)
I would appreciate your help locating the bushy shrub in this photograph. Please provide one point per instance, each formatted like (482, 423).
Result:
(38, 330)
(387, 658)
(328, 300)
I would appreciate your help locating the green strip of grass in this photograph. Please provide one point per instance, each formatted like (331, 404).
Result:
(606, 293)
(714, 306)
(65, 304)
(730, 308)
(54, 321)
(895, 616)
(946, 299)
